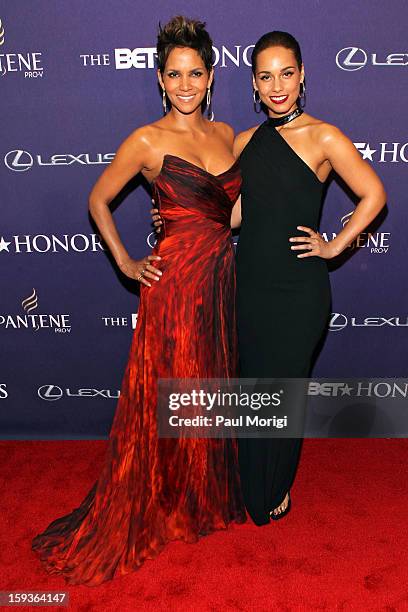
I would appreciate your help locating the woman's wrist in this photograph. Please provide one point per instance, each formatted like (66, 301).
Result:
(123, 260)
(337, 246)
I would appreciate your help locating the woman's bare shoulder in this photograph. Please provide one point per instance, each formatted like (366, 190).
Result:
(242, 139)
(141, 148)
(146, 135)
(225, 131)
(322, 131)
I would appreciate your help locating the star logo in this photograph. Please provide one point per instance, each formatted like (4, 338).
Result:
(4, 245)
(365, 150)
(346, 389)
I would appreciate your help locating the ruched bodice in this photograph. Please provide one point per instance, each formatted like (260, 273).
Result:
(186, 193)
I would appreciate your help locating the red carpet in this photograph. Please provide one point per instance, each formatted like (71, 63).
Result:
(343, 546)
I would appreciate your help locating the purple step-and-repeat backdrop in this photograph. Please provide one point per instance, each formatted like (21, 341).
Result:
(76, 78)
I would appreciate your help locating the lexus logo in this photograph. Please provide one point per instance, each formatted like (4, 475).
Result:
(354, 58)
(18, 160)
(351, 58)
(338, 321)
(50, 392)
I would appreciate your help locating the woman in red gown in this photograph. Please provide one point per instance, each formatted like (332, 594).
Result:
(152, 490)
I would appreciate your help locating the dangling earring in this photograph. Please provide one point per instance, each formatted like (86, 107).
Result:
(164, 101)
(302, 95)
(256, 101)
(210, 114)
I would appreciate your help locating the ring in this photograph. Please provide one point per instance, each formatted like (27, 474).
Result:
(139, 278)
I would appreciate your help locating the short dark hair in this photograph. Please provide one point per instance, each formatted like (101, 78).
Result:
(183, 32)
(276, 39)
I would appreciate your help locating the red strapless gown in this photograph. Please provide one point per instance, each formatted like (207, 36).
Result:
(152, 490)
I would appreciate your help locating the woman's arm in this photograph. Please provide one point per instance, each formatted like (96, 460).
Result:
(362, 180)
(131, 157)
(236, 214)
(240, 142)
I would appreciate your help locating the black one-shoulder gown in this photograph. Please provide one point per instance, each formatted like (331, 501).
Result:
(283, 302)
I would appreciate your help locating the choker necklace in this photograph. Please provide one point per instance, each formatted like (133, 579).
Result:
(275, 121)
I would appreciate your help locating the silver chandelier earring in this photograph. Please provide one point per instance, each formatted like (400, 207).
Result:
(256, 101)
(210, 113)
(164, 101)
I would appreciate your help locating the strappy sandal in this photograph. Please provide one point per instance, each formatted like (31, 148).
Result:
(276, 517)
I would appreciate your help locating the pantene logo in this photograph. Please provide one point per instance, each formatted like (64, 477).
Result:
(375, 242)
(36, 321)
(1, 33)
(28, 63)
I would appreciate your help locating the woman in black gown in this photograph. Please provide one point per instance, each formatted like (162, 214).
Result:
(283, 297)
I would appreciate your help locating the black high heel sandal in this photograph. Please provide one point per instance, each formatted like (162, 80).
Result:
(276, 517)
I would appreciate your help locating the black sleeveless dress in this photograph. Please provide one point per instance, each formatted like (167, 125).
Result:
(283, 302)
